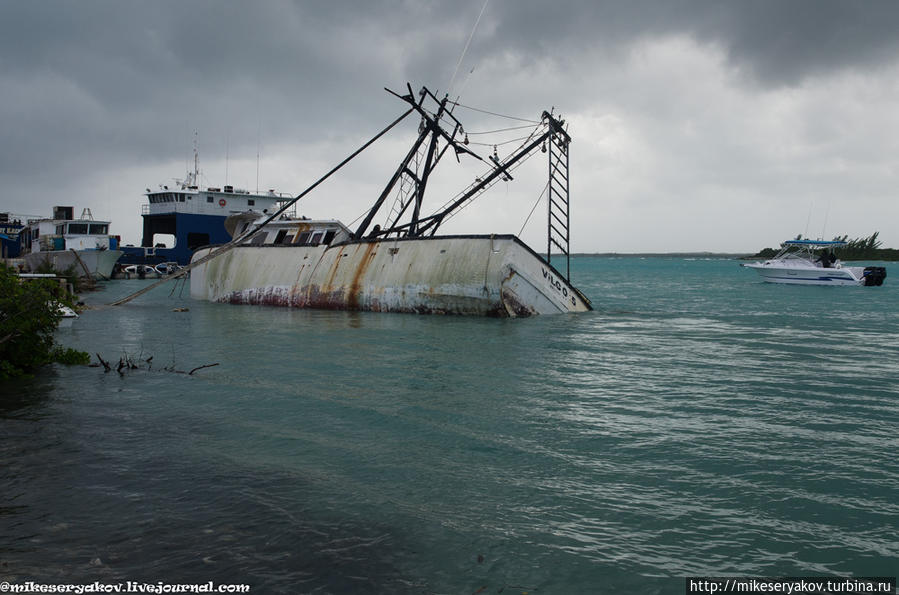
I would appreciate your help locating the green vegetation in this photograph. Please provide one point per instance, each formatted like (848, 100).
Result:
(69, 274)
(858, 249)
(29, 315)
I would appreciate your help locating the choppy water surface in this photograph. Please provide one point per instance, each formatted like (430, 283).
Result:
(699, 422)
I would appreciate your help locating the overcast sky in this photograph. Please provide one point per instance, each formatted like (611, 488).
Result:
(696, 125)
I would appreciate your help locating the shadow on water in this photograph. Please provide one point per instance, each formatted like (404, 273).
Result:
(85, 504)
(26, 398)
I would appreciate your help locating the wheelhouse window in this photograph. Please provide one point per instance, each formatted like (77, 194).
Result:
(316, 238)
(303, 239)
(99, 229)
(329, 236)
(78, 228)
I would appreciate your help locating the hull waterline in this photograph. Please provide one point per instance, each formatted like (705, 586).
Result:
(99, 263)
(468, 275)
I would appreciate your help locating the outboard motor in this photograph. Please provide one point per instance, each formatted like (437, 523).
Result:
(874, 276)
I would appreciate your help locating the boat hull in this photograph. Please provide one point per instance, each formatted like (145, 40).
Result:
(809, 275)
(469, 275)
(99, 263)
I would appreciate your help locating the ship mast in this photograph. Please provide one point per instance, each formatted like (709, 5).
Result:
(415, 170)
(194, 176)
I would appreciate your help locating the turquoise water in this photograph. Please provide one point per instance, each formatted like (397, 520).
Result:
(699, 422)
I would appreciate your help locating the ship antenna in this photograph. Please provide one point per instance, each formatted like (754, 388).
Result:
(258, 133)
(196, 174)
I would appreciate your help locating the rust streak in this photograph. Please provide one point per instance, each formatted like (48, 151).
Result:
(332, 273)
(352, 297)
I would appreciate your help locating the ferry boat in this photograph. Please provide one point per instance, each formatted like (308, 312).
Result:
(63, 242)
(812, 262)
(189, 216)
(403, 266)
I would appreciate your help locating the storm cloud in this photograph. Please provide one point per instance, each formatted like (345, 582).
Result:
(697, 125)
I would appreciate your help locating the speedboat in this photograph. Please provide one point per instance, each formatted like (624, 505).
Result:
(812, 262)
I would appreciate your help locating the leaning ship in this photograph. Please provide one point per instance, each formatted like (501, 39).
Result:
(404, 265)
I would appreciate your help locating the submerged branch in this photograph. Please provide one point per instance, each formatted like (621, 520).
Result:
(127, 362)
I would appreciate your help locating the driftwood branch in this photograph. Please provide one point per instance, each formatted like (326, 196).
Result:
(191, 373)
(105, 363)
(127, 362)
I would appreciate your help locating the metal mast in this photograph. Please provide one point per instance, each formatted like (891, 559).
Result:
(426, 154)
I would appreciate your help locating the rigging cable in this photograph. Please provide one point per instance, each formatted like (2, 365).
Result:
(539, 198)
(474, 109)
(465, 50)
(505, 142)
(483, 190)
(502, 129)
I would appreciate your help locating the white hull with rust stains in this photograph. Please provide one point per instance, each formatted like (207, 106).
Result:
(97, 264)
(471, 275)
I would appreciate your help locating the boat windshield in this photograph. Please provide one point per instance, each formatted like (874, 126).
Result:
(806, 249)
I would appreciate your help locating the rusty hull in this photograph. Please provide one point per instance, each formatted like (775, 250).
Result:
(469, 275)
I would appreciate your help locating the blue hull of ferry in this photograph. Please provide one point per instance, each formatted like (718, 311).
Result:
(191, 231)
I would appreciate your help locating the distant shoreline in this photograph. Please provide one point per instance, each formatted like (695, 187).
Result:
(719, 255)
(728, 255)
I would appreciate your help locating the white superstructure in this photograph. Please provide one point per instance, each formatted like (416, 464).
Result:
(63, 242)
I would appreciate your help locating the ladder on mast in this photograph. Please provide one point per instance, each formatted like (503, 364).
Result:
(559, 213)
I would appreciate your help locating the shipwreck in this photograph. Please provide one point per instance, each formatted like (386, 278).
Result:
(404, 265)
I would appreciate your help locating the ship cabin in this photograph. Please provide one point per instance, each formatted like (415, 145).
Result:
(290, 231)
(221, 202)
(181, 217)
(63, 232)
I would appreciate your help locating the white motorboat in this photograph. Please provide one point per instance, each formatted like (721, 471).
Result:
(812, 262)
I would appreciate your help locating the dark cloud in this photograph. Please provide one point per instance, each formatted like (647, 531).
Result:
(775, 42)
(104, 85)
(112, 74)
